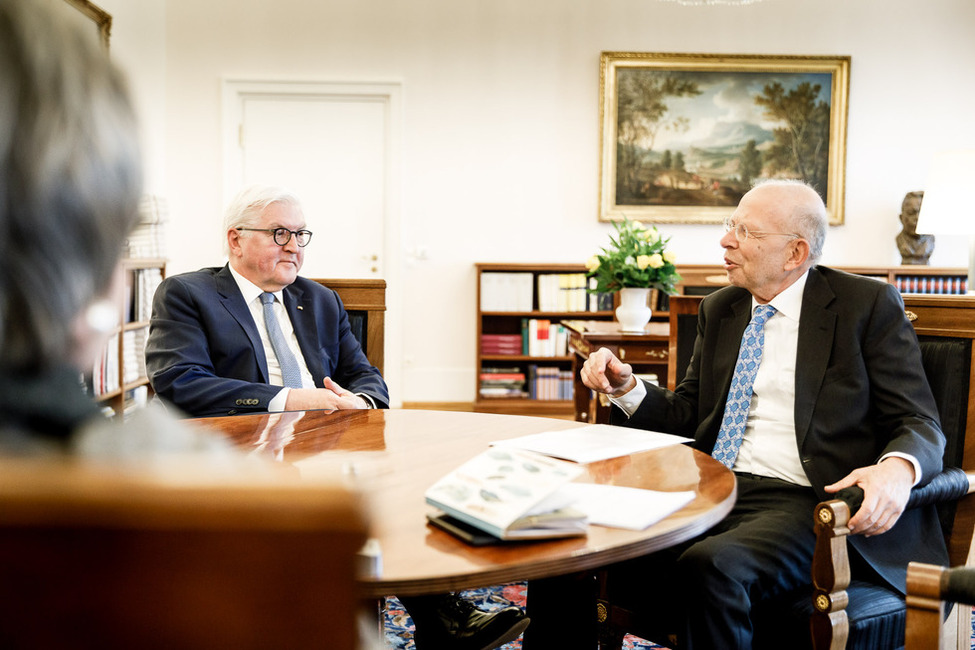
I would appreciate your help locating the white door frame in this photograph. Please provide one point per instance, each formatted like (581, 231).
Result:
(236, 91)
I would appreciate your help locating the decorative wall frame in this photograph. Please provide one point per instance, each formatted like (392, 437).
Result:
(683, 136)
(102, 19)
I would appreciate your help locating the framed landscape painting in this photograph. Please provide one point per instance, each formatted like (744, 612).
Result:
(684, 136)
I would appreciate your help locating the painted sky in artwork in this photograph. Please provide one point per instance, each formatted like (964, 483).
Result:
(725, 113)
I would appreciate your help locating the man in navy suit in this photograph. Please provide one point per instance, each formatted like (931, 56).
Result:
(839, 399)
(208, 350)
(214, 350)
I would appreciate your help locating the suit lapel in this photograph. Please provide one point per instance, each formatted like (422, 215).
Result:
(302, 317)
(233, 302)
(817, 327)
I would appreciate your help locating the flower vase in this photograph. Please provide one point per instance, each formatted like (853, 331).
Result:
(634, 311)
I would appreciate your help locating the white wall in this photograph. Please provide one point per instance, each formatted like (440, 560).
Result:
(138, 46)
(500, 127)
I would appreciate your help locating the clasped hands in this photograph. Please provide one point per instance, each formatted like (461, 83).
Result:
(886, 485)
(330, 396)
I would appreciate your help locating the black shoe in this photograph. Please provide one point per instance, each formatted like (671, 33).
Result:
(450, 623)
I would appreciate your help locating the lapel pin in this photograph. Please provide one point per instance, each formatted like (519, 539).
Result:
(300, 308)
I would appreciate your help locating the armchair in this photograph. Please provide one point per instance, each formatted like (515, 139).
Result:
(859, 614)
(365, 302)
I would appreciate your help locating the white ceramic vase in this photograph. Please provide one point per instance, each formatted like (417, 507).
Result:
(633, 313)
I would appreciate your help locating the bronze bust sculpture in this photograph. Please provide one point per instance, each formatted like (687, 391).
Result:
(914, 248)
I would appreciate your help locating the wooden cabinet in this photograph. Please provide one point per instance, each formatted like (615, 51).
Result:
(648, 353)
(118, 380)
(509, 298)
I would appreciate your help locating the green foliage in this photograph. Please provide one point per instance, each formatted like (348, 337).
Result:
(637, 257)
(641, 113)
(750, 163)
(801, 148)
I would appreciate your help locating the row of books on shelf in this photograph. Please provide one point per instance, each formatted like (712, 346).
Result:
(944, 285)
(534, 382)
(563, 292)
(140, 293)
(105, 376)
(148, 238)
(555, 292)
(134, 399)
(134, 363)
(539, 337)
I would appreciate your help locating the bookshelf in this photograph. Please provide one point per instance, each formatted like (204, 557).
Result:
(511, 295)
(523, 363)
(118, 380)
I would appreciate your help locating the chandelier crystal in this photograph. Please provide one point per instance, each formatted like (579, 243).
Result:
(714, 2)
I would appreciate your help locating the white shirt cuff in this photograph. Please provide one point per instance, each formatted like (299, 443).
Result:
(631, 401)
(370, 402)
(911, 459)
(278, 402)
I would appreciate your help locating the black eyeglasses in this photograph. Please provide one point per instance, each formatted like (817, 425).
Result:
(742, 232)
(282, 235)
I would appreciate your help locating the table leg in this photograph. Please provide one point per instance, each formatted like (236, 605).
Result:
(563, 613)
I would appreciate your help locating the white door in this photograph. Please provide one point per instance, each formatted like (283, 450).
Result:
(331, 147)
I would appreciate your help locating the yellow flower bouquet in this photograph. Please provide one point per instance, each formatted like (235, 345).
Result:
(636, 258)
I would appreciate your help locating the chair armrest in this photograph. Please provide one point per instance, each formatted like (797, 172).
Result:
(831, 563)
(951, 484)
(829, 625)
(929, 587)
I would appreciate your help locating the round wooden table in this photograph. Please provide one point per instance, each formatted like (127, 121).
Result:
(393, 456)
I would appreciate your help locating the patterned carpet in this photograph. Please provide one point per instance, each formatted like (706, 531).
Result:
(399, 627)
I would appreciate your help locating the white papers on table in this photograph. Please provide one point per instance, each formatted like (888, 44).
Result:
(623, 507)
(594, 442)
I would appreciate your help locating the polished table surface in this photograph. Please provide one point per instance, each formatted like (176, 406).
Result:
(393, 456)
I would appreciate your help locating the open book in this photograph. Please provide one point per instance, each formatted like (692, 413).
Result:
(511, 494)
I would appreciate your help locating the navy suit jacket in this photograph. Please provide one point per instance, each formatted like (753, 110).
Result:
(861, 392)
(204, 352)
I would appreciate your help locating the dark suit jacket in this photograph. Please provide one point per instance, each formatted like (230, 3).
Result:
(204, 353)
(861, 392)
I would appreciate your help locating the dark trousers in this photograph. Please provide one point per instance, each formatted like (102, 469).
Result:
(701, 590)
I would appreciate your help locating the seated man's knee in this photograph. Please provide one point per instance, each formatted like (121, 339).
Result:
(712, 560)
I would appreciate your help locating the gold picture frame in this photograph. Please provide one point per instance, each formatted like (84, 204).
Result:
(683, 136)
(102, 19)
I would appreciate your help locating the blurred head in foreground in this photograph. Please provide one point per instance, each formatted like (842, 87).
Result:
(70, 181)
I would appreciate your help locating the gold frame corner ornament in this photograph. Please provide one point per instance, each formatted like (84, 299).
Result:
(711, 70)
(101, 18)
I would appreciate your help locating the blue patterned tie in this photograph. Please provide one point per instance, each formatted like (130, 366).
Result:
(290, 373)
(740, 395)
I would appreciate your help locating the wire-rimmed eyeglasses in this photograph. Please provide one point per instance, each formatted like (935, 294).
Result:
(742, 232)
(282, 235)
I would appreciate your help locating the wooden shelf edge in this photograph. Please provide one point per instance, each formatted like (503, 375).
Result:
(551, 315)
(511, 357)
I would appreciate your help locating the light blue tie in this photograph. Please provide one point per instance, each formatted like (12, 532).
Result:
(740, 395)
(290, 372)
